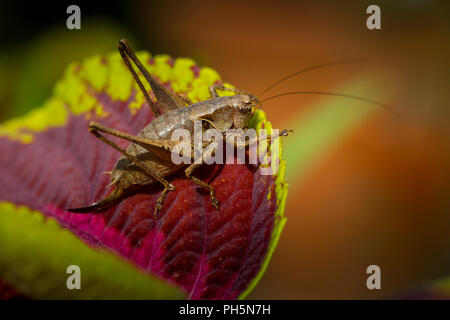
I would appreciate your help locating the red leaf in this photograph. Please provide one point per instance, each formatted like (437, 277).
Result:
(212, 254)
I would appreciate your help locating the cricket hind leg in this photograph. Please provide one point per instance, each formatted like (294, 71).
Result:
(123, 54)
(161, 147)
(95, 130)
(167, 100)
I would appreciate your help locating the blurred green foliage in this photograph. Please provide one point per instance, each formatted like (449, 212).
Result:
(28, 71)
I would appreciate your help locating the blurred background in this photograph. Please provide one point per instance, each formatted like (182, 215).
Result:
(365, 187)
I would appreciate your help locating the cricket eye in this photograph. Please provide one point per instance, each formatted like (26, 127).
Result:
(244, 109)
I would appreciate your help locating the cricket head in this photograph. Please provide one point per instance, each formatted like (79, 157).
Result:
(242, 110)
(231, 112)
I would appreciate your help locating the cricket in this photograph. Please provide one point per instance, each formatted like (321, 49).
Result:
(147, 160)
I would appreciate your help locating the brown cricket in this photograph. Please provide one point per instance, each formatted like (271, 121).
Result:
(147, 160)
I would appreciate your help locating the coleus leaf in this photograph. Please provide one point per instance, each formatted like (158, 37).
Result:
(104, 276)
(49, 162)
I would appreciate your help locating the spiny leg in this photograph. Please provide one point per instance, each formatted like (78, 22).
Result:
(189, 170)
(167, 186)
(167, 100)
(159, 203)
(238, 143)
(160, 147)
(123, 53)
(253, 140)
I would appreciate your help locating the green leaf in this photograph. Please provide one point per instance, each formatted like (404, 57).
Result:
(40, 265)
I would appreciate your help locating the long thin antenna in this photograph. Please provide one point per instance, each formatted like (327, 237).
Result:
(320, 66)
(335, 95)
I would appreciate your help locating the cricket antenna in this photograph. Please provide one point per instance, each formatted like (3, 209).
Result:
(389, 108)
(320, 66)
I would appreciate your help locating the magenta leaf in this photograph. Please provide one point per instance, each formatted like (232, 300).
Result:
(211, 254)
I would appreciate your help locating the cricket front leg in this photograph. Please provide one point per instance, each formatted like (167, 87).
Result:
(239, 143)
(208, 152)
